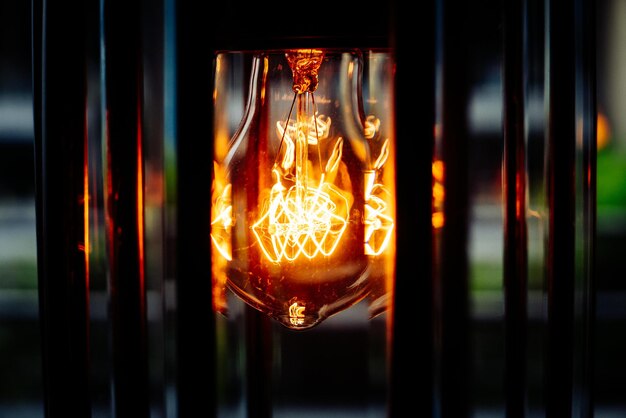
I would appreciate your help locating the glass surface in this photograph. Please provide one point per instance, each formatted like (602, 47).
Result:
(296, 207)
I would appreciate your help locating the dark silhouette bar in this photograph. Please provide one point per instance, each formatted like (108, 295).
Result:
(515, 228)
(60, 97)
(411, 353)
(125, 208)
(587, 15)
(561, 86)
(455, 355)
(258, 340)
(586, 188)
(196, 341)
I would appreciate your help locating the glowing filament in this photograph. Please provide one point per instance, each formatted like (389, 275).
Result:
(305, 214)
(221, 217)
(304, 219)
(301, 222)
(377, 222)
(378, 225)
(296, 313)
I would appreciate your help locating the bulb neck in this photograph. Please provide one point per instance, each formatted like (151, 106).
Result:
(305, 64)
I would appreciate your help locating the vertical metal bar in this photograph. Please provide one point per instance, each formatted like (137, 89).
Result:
(152, 46)
(195, 316)
(62, 195)
(455, 347)
(125, 223)
(515, 232)
(258, 333)
(536, 125)
(586, 206)
(561, 198)
(411, 316)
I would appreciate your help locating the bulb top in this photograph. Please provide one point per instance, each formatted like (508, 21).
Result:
(305, 64)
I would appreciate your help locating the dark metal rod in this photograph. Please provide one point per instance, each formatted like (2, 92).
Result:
(60, 90)
(411, 317)
(125, 224)
(453, 263)
(258, 340)
(515, 229)
(561, 200)
(586, 47)
(196, 340)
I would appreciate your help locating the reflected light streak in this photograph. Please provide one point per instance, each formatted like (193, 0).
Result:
(439, 194)
(86, 247)
(140, 199)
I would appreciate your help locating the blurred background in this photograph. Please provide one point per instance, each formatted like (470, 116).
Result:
(20, 356)
(20, 352)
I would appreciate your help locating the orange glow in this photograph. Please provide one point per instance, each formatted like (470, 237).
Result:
(377, 221)
(438, 219)
(303, 216)
(221, 99)
(140, 200)
(265, 70)
(603, 131)
(289, 206)
(305, 64)
(221, 217)
(372, 125)
(221, 224)
(439, 194)
(438, 170)
(379, 194)
(304, 219)
(296, 314)
(86, 247)
(217, 72)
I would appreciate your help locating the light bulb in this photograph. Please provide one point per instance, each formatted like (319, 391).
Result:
(380, 181)
(289, 197)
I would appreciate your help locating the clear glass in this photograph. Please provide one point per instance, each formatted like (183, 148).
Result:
(290, 217)
(380, 182)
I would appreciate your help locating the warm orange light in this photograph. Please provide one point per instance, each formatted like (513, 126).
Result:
(296, 204)
(296, 314)
(221, 218)
(140, 199)
(377, 220)
(438, 219)
(86, 245)
(221, 225)
(305, 219)
(439, 194)
(603, 131)
(372, 125)
(301, 221)
(437, 168)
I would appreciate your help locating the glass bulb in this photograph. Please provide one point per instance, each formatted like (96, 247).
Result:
(289, 195)
(380, 181)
